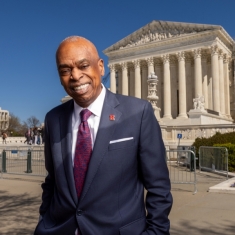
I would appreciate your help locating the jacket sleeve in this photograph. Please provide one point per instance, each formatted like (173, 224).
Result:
(155, 175)
(48, 185)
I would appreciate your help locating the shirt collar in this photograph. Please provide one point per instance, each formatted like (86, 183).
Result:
(95, 107)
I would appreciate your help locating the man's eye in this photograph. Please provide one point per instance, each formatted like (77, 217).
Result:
(65, 71)
(85, 66)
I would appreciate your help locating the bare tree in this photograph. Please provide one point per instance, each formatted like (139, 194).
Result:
(15, 127)
(32, 122)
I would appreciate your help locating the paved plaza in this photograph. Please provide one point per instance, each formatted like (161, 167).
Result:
(203, 213)
(20, 197)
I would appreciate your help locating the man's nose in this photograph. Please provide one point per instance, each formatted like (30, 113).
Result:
(76, 73)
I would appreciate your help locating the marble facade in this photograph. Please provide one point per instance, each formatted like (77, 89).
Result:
(4, 119)
(190, 61)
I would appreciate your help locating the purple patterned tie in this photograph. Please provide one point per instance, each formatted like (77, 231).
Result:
(82, 152)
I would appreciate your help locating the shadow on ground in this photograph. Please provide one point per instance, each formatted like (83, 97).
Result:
(186, 227)
(18, 213)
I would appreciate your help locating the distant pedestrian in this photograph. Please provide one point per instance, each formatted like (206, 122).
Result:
(35, 135)
(31, 141)
(27, 136)
(42, 134)
(4, 137)
(39, 136)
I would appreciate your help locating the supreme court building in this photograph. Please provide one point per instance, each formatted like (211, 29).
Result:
(195, 66)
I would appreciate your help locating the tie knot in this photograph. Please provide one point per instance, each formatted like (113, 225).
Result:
(85, 114)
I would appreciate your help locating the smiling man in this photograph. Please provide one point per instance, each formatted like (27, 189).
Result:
(80, 70)
(101, 151)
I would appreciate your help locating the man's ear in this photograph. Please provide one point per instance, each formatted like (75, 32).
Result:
(101, 66)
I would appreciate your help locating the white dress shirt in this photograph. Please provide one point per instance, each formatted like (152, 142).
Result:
(93, 120)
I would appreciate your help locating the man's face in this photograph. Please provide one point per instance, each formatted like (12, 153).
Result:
(80, 71)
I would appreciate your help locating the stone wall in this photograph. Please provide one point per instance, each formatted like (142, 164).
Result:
(190, 133)
(15, 140)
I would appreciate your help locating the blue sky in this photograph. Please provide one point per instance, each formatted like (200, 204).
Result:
(31, 30)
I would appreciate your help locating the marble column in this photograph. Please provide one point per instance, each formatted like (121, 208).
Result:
(150, 65)
(205, 79)
(197, 72)
(174, 86)
(137, 78)
(189, 82)
(221, 82)
(131, 79)
(182, 85)
(112, 78)
(158, 71)
(144, 84)
(231, 69)
(124, 78)
(119, 80)
(209, 77)
(215, 78)
(167, 87)
(226, 82)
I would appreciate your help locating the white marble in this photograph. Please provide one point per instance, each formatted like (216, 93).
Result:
(182, 85)
(189, 60)
(166, 87)
(215, 78)
(66, 98)
(4, 119)
(224, 187)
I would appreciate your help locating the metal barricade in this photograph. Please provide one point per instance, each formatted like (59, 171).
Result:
(1, 164)
(23, 147)
(182, 167)
(38, 162)
(214, 159)
(23, 162)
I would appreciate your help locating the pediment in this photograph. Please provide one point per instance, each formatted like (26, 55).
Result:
(158, 31)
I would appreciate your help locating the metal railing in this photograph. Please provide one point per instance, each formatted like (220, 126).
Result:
(182, 167)
(23, 162)
(22, 147)
(214, 159)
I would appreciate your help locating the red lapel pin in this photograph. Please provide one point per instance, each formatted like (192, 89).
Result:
(112, 117)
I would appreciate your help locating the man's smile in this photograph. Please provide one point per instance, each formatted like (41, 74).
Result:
(81, 88)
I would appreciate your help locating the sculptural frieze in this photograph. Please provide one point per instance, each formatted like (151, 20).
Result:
(152, 87)
(186, 134)
(151, 36)
(158, 31)
(199, 102)
(152, 93)
(200, 133)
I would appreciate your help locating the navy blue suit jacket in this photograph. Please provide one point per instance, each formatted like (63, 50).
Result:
(112, 200)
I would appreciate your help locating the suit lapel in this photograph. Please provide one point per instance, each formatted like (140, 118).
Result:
(105, 131)
(66, 147)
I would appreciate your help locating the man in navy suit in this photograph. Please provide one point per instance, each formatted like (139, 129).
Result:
(127, 157)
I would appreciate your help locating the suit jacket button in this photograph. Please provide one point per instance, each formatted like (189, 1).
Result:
(79, 212)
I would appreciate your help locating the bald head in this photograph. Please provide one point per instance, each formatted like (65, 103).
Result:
(80, 69)
(81, 42)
